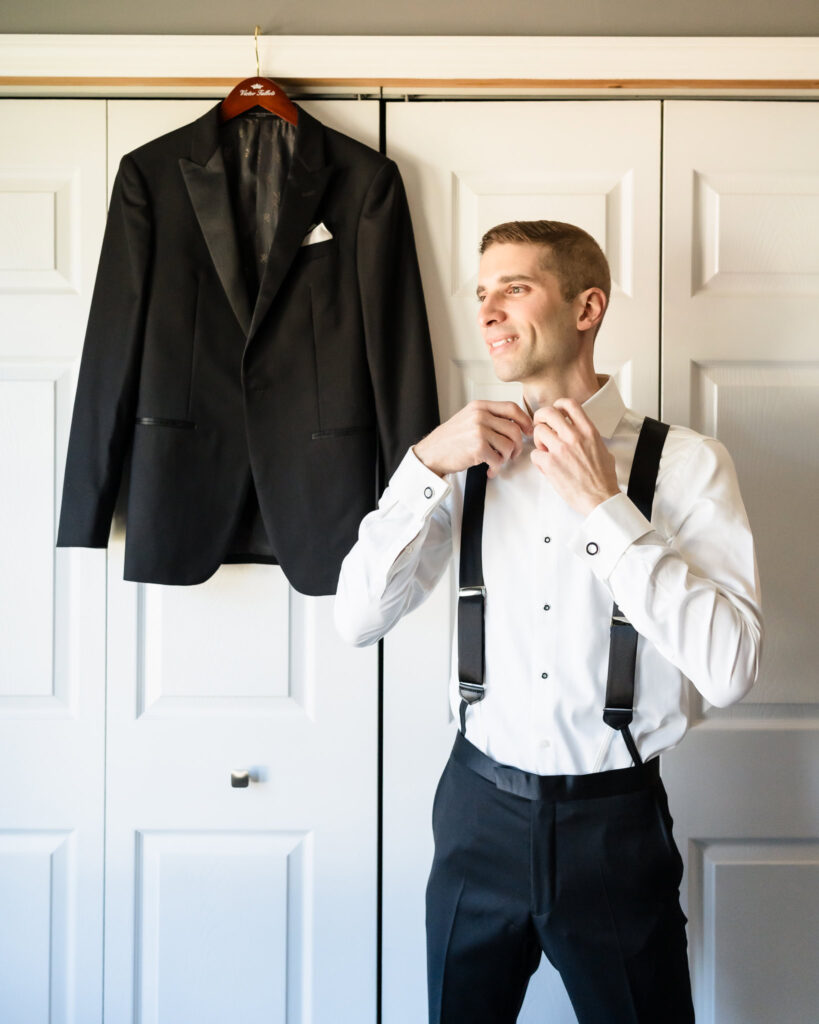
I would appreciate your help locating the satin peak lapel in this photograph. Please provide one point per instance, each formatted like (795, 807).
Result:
(208, 189)
(306, 182)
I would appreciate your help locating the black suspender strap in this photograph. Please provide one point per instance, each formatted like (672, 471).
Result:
(471, 594)
(642, 481)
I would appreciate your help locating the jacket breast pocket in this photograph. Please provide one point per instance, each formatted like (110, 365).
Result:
(316, 250)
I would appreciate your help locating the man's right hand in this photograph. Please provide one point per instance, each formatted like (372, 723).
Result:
(490, 432)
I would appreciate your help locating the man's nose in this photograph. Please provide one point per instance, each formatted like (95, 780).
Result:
(490, 312)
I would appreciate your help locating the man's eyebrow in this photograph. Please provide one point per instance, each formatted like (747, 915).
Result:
(507, 279)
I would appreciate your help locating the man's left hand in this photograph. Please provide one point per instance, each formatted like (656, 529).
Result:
(570, 453)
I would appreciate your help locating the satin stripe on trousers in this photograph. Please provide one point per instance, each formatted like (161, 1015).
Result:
(593, 881)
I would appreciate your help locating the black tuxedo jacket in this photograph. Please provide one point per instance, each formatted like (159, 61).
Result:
(252, 379)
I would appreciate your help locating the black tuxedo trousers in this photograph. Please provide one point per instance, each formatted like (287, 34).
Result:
(251, 381)
(583, 868)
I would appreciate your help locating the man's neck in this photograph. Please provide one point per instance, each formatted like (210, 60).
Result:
(578, 384)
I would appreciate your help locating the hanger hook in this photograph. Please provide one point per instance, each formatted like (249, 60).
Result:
(256, 32)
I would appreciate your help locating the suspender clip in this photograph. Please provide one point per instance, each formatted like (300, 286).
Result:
(618, 718)
(472, 592)
(471, 692)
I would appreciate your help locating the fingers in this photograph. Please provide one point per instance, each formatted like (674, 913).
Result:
(505, 435)
(540, 459)
(490, 432)
(552, 429)
(575, 412)
(509, 411)
(503, 425)
(498, 449)
(505, 411)
(552, 422)
(568, 410)
(565, 421)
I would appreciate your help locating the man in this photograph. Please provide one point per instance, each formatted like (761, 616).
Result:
(551, 825)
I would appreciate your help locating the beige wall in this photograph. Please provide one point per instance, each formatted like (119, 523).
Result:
(421, 17)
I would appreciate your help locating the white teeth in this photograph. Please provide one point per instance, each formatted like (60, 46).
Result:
(502, 341)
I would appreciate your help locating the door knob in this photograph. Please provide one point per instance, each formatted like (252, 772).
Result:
(240, 779)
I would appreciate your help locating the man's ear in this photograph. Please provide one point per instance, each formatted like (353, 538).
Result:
(591, 307)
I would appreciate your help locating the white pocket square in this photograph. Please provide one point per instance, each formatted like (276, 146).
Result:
(318, 233)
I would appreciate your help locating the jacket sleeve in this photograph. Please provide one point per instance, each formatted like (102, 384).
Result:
(399, 352)
(103, 419)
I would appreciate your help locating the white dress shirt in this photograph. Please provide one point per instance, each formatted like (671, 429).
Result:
(687, 581)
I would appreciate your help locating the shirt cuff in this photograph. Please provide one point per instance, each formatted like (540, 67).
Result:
(602, 538)
(417, 487)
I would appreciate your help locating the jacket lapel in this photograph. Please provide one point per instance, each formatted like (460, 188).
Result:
(306, 181)
(207, 185)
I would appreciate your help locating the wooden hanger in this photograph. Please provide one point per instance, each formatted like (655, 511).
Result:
(258, 92)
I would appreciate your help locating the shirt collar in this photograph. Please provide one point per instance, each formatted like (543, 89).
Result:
(604, 408)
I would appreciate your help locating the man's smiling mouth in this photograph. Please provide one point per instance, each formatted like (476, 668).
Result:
(501, 342)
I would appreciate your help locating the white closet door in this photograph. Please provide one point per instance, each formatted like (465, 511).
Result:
(468, 166)
(740, 361)
(52, 603)
(252, 905)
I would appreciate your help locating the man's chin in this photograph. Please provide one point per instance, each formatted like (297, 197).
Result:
(507, 374)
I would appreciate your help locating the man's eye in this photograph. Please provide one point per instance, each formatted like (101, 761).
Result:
(516, 288)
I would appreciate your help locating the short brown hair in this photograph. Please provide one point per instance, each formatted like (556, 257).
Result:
(571, 254)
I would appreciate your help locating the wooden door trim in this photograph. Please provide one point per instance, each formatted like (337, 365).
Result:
(120, 65)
